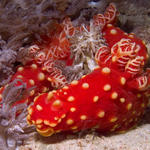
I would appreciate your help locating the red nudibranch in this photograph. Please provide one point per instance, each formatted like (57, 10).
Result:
(111, 98)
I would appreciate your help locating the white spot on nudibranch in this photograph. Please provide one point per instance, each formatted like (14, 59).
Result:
(95, 98)
(69, 122)
(113, 119)
(114, 95)
(129, 106)
(72, 109)
(107, 87)
(71, 98)
(122, 80)
(56, 103)
(41, 76)
(101, 114)
(85, 85)
(106, 70)
(39, 107)
(74, 82)
(83, 117)
(113, 31)
(20, 69)
(122, 100)
(31, 82)
(34, 66)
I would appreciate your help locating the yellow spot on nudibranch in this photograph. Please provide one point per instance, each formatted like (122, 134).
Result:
(129, 106)
(123, 80)
(65, 87)
(56, 103)
(71, 98)
(20, 77)
(41, 76)
(39, 121)
(83, 117)
(44, 89)
(20, 69)
(72, 109)
(101, 114)
(109, 25)
(85, 85)
(34, 66)
(113, 119)
(69, 122)
(95, 98)
(113, 31)
(63, 116)
(45, 132)
(39, 107)
(74, 82)
(31, 82)
(49, 96)
(107, 87)
(122, 100)
(106, 70)
(46, 122)
(30, 111)
(114, 95)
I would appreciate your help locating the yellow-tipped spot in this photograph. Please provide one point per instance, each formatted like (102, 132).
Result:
(131, 36)
(123, 81)
(41, 76)
(63, 116)
(65, 93)
(69, 122)
(83, 117)
(83, 76)
(20, 69)
(31, 82)
(139, 95)
(48, 123)
(106, 70)
(107, 87)
(101, 114)
(58, 131)
(74, 127)
(72, 109)
(56, 118)
(30, 111)
(36, 98)
(85, 85)
(109, 25)
(129, 106)
(39, 107)
(56, 103)
(70, 99)
(65, 87)
(113, 31)
(29, 120)
(33, 122)
(49, 96)
(20, 77)
(74, 82)
(114, 95)
(39, 121)
(34, 66)
(122, 100)
(39, 126)
(114, 58)
(113, 119)
(45, 132)
(134, 112)
(95, 98)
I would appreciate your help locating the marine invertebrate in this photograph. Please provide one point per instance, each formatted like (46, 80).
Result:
(112, 98)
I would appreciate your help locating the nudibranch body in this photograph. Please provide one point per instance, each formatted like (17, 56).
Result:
(111, 98)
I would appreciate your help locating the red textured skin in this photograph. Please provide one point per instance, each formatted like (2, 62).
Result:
(85, 106)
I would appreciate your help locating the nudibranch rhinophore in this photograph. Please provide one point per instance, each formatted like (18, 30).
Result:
(111, 98)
